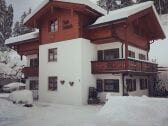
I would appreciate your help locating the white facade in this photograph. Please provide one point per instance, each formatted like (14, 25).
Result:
(74, 65)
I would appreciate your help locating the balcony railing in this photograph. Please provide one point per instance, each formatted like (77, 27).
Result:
(123, 65)
(31, 71)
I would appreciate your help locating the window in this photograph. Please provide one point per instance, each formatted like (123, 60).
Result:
(33, 85)
(131, 84)
(34, 62)
(111, 85)
(53, 25)
(142, 57)
(99, 85)
(52, 55)
(131, 54)
(52, 83)
(111, 54)
(143, 84)
(100, 55)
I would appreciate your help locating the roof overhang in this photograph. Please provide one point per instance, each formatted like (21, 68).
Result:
(124, 14)
(77, 5)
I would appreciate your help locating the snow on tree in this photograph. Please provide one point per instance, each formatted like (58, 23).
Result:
(20, 28)
(10, 64)
(6, 20)
(110, 5)
(161, 5)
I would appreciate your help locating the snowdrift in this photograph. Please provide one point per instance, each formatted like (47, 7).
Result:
(23, 97)
(133, 111)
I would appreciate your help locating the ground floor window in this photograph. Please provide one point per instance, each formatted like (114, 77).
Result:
(33, 85)
(52, 83)
(143, 84)
(131, 84)
(108, 85)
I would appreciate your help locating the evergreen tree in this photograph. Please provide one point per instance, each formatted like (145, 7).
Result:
(110, 5)
(161, 5)
(20, 28)
(6, 20)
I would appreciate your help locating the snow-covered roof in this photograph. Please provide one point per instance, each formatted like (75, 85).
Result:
(24, 37)
(84, 2)
(126, 12)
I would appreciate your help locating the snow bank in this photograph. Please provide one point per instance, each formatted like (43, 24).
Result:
(134, 111)
(14, 85)
(23, 96)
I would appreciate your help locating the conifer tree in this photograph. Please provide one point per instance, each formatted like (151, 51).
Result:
(6, 21)
(19, 27)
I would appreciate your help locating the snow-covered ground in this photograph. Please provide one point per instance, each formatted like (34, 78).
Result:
(46, 115)
(118, 111)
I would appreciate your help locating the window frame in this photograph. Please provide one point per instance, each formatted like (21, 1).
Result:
(34, 62)
(54, 87)
(99, 85)
(131, 85)
(106, 55)
(52, 53)
(34, 83)
(117, 90)
(53, 25)
(144, 85)
(131, 54)
(142, 56)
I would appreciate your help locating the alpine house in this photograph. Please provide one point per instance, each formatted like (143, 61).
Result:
(79, 46)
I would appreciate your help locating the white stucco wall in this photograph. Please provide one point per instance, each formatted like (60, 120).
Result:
(89, 53)
(136, 50)
(102, 95)
(73, 64)
(67, 68)
(138, 91)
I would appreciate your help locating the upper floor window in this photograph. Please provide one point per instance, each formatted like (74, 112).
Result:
(34, 62)
(131, 54)
(52, 83)
(53, 25)
(142, 57)
(109, 54)
(52, 55)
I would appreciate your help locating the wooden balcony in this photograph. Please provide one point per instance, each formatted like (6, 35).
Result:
(31, 71)
(123, 66)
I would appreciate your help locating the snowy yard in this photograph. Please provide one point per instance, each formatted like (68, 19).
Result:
(118, 111)
(46, 115)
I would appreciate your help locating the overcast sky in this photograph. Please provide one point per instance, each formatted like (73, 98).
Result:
(159, 50)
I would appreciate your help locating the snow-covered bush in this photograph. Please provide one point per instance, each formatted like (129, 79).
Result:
(133, 111)
(22, 97)
(10, 64)
(14, 86)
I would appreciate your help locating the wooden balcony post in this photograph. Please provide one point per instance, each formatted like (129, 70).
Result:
(126, 41)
